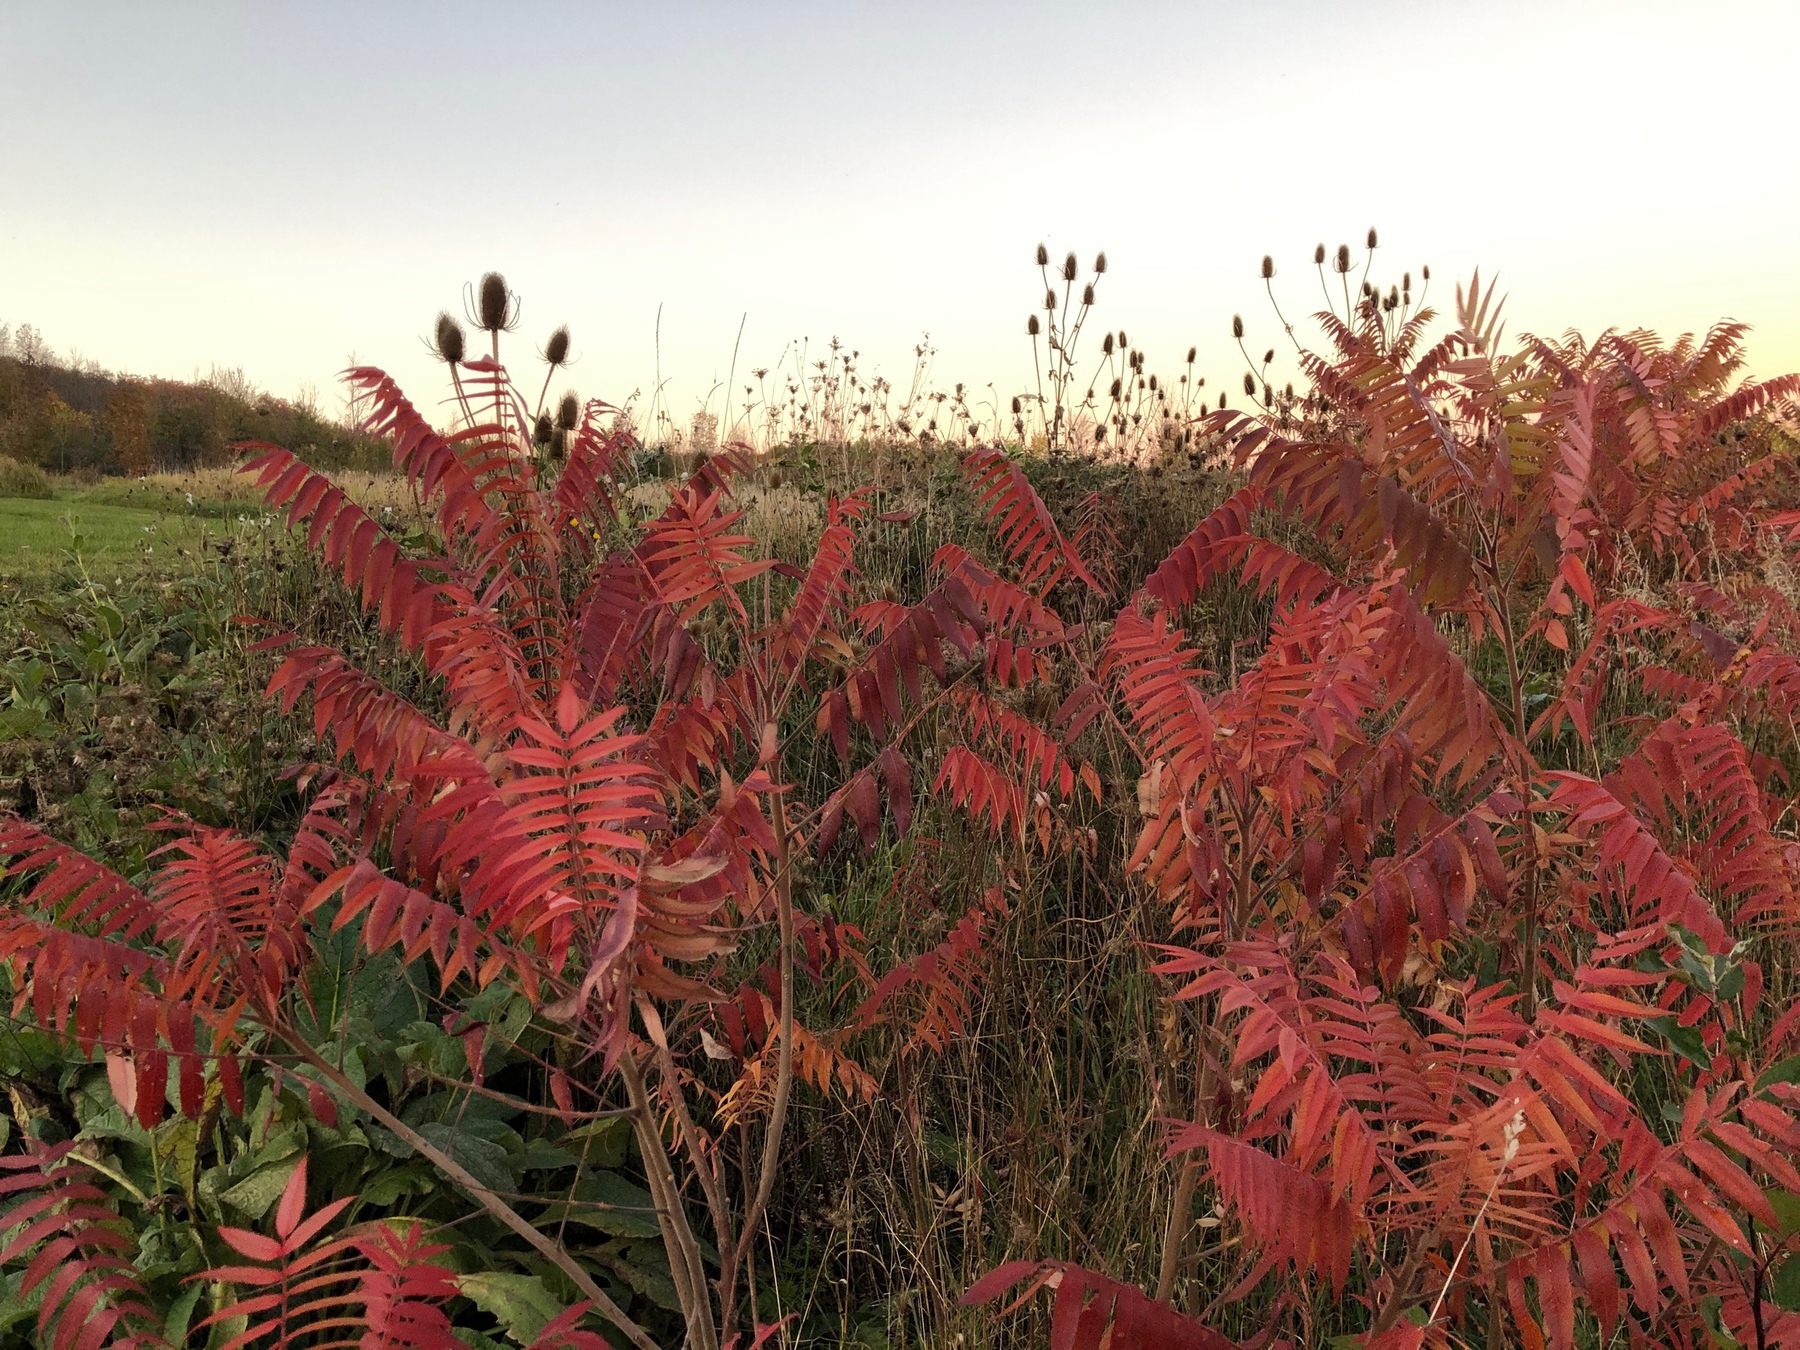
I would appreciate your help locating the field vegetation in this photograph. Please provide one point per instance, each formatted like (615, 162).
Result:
(1098, 867)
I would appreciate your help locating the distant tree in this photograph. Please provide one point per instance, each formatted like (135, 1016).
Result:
(127, 416)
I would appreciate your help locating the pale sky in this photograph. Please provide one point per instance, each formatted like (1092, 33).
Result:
(274, 186)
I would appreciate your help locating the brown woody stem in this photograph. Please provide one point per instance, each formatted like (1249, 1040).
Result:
(784, 1074)
(685, 1267)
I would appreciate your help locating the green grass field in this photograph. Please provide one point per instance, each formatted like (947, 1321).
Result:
(38, 536)
(129, 523)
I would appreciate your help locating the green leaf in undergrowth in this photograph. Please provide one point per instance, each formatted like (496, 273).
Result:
(1716, 1329)
(600, 1143)
(1787, 1212)
(1784, 1288)
(486, 1161)
(391, 1184)
(181, 1314)
(253, 1196)
(542, 1156)
(1684, 1041)
(1787, 1071)
(607, 1202)
(520, 1302)
(644, 1265)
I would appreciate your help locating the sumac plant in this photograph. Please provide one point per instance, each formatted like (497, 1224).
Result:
(598, 793)
(1484, 872)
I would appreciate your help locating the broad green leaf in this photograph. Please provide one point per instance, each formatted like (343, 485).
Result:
(1785, 1287)
(257, 1192)
(485, 1160)
(599, 1143)
(521, 1302)
(607, 1202)
(1787, 1071)
(1684, 1041)
(645, 1267)
(1787, 1210)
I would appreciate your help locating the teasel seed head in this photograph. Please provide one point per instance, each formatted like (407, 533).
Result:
(1406, 281)
(1118, 387)
(1343, 258)
(449, 341)
(1106, 345)
(1237, 325)
(495, 301)
(1268, 267)
(1268, 395)
(1222, 402)
(1372, 237)
(1043, 256)
(556, 350)
(1087, 294)
(1100, 263)
(1050, 300)
(1319, 256)
(568, 412)
(1153, 383)
(1123, 340)
(1425, 272)
(1070, 267)
(1249, 383)
(1031, 326)
(1016, 405)
(541, 432)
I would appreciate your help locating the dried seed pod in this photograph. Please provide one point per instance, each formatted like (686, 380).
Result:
(1100, 264)
(1319, 256)
(449, 341)
(1031, 325)
(1050, 300)
(1192, 353)
(1372, 240)
(568, 412)
(1425, 272)
(1343, 258)
(495, 302)
(1016, 405)
(1268, 356)
(556, 350)
(1249, 383)
(1153, 382)
(1070, 267)
(1087, 294)
(1123, 340)
(1043, 256)
(1268, 267)
(541, 432)
(1237, 325)
(1106, 345)
(1118, 387)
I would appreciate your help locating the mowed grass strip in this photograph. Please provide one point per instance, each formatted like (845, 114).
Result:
(122, 523)
(37, 536)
